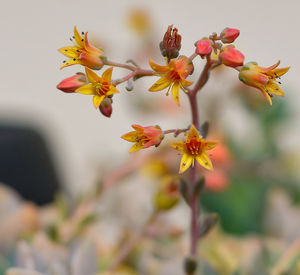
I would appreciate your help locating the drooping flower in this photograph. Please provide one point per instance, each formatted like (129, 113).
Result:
(203, 47)
(231, 57)
(70, 84)
(194, 148)
(144, 137)
(228, 35)
(264, 79)
(82, 53)
(99, 87)
(173, 76)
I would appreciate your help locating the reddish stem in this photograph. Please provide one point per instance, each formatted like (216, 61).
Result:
(137, 72)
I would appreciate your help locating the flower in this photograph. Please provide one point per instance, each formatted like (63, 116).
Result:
(231, 57)
(194, 147)
(263, 79)
(144, 137)
(82, 53)
(100, 87)
(171, 43)
(203, 47)
(173, 76)
(70, 84)
(229, 35)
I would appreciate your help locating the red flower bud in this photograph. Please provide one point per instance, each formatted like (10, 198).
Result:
(203, 47)
(106, 107)
(228, 35)
(231, 57)
(70, 84)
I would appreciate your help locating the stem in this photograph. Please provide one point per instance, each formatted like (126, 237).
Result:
(175, 131)
(136, 72)
(120, 65)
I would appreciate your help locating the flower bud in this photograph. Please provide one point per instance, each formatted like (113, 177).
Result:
(231, 57)
(106, 107)
(229, 35)
(171, 43)
(70, 84)
(203, 47)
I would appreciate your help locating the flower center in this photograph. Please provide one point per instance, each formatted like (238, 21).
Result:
(194, 146)
(102, 88)
(174, 75)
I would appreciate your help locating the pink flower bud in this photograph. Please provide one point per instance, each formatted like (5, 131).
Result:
(231, 57)
(228, 35)
(70, 84)
(203, 47)
(106, 107)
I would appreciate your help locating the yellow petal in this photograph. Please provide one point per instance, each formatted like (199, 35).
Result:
(70, 62)
(204, 161)
(266, 95)
(69, 52)
(160, 84)
(131, 136)
(178, 146)
(92, 76)
(158, 68)
(112, 90)
(97, 100)
(273, 88)
(78, 38)
(106, 76)
(210, 145)
(280, 71)
(135, 147)
(86, 89)
(175, 92)
(193, 133)
(185, 83)
(186, 162)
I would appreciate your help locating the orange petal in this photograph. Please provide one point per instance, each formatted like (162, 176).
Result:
(92, 76)
(158, 68)
(131, 136)
(107, 74)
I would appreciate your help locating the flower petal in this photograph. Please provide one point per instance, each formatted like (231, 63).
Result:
(135, 147)
(86, 89)
(280, 71)
(193, 133)
(97, 100)
(160, 84)
(204, 161)
(92, 76)
(179, 146)
(266, 95)
(210, 145)
(78, 38)
(70, 62)
(273, 88)
(131, 136)
(185, 83)
(69, 52)
(186, 162)
(158, 68)
(175, 92)
(106, 76)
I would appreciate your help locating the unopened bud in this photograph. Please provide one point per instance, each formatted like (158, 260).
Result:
(203, 47)
(106, 107)
(171, 43)
(190, 265)
(231, 57)
(70, 84)
(229, 35)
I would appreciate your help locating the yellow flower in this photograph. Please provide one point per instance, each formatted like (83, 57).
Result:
(82, 53)
(100, 87)
(144, 137)
(263, 79)
(194, 147)
(173, 76)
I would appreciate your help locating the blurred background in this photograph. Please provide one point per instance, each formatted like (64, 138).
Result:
(257, 173)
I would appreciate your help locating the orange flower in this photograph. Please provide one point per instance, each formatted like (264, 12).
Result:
(100, 87)
(194, 147)
(82, 53)
(173, 76)
(144, 137)
(263, 79)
